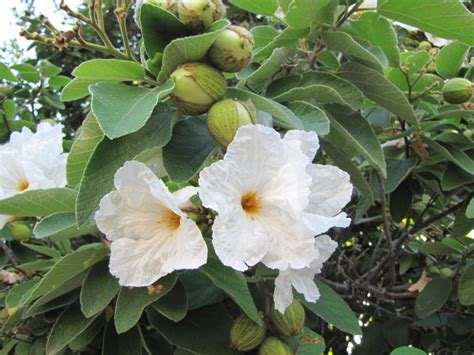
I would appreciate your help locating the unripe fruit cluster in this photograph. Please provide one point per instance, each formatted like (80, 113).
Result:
(246, 335)
(199, 86)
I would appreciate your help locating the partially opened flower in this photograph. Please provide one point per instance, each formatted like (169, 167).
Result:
(303, 279)
(32, 161)
(151, 235)
(271, 200)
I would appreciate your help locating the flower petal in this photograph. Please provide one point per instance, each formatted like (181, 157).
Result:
(308, 142)
(320, 224)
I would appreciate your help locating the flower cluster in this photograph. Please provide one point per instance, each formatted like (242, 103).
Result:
(270, 201)
(31, 161)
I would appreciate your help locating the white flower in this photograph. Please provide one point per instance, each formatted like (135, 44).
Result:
(271, 200)
(368, 4)
(32, 161)
(437, 41)
(151, 236)
(303, 279)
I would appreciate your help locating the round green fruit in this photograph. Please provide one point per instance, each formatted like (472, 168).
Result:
(232, 50)
(291, 322)
(200, 14)
(226, 117)
(197, 87)
(425, 45)
(457, 91)
(19, 231)
(274, 346)
(245, 334)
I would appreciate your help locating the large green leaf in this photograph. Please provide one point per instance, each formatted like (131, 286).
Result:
(313, 118)
(70, 324)
(7, 74)
(131, 302)
(88, 335)
(61, 226)
(283, 117)
(310, 13)
(344, 43)
(174, 305)
(189, 49)
(407, 350)
(123, 109)
(129, 343)
(82, 149)
(109, 70)
(39, 203)
(397, 171)
(263, 35)
(359, 134)
(451, 58)
(76, 89)
(233, 284)
(379, 32)
(433, 297)
(287, 38)
(333, 309)
(266, 7)
(431, 16)
(188, 149)
(452, 154)
(318, 87)
(466, 287)
(98, 290)
(110, 155)
(204, 331)
(462, 224)
(377, 88)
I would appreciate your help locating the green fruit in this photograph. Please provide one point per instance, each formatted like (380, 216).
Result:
(226, 117)
(232, 50)
(168, 5)
(197, 87)
(4, 91)
(245, 334)
(274, 346)
(457, 91)
(292, 321)
(425, 45)
(468, 133)
(200, 14)
(19, 231)
(446, 272)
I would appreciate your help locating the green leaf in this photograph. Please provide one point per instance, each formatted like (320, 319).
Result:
(27, 72)
(110, 155)
(462, 224)
(59, 81)
(61, 226)
(234, 285)
(98, 290)
(466, 287)
(333, 309)
(189, 49)
(159, 27)
(401, 200)
(49, 70)
(379, 32)
(263, 35)
(318, 87)
(345, 44)
(68, 267)
(313, 118)
(88, 335)
(470, 209)
(128, 343)
(76, 89)
(452, 154)
(9, 107)
(70, 324)
(200, 289)
(16, 293)
(283, 117)
(7, 74)
(109, 70)
(437, 249)
(307, 343)
(204, 331)
(359, 134)
(188, 149)
(132, 302)
(40, 249)
(451, 58)
(377, 88)
(397, 171)
(39, 203)
(174, 305)
(82, 149)
(267, 7)
(407, 350)
(310, 13)
(287, 38)
(123, 109)
(430, 16)
(433, 297)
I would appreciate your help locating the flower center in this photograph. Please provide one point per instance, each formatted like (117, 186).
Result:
(22, 185)
(171, 219)
(251, 203)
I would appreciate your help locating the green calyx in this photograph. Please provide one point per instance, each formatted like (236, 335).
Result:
(226, 117)
(232, 50)
(292, 321)
(457, 91)
(200, 14)
(168, 5)
(197, 87)
(245, 334)
(19, 231)
(274, 346)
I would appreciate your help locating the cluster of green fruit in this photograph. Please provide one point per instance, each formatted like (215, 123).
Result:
(200, 87)
(246, 335)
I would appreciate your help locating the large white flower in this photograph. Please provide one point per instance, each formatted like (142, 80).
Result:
(303, 279)
(271, 200)
(151, 236)
(32, 161)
